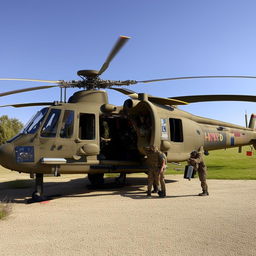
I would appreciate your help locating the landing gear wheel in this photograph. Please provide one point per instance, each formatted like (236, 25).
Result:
(37, 198)
(121, 179)
(37, 195)
(96, 179)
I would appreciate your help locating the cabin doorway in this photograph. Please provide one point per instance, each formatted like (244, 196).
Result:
(118, 139)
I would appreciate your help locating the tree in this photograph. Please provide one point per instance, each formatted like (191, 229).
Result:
(9, 127)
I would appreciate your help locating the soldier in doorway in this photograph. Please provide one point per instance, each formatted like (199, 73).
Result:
(196, 160)
(104, 140)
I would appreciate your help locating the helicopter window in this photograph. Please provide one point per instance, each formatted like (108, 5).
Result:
(176, 130)
(35, 122)
(87, 127)
(50, 126)
(67, 124)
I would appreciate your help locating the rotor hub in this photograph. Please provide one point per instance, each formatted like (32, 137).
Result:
(88, 73)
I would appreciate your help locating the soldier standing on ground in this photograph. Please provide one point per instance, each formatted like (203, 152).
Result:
(162, 166)
(196, 160)
(156, 162)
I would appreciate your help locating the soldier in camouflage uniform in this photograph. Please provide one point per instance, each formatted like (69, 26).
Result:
(196, 160)
(162, 166)
(156, 161)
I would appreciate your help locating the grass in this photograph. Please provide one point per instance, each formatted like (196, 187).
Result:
(4, 210)
(227, 164)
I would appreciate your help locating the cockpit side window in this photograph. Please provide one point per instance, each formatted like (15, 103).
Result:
(67, 125)
(51, 124)
(35, 122)
(176, 130)
(87, 126)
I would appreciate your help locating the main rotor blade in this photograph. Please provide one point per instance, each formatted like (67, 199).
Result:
(127, 92)
(27, 90)
(192, 77)
(119, 44)
(29, 80)
(22, 105)
(204, 98)
(157, 100)
(166, 101)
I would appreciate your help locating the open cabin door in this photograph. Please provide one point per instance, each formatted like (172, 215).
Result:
(118, 138)
(143, 120)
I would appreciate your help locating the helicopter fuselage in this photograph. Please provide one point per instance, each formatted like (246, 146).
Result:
(89, 135)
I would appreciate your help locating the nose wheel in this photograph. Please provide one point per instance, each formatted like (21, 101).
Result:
(37, 195)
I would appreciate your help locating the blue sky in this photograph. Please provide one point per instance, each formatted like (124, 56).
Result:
(52, 39)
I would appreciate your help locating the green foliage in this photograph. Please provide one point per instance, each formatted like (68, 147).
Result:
(4, 210)
(229, 164)
(9, 127)
(226, 164)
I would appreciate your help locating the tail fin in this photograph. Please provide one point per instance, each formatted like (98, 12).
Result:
(252, 123)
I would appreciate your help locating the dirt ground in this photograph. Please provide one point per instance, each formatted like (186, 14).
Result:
(115, 220)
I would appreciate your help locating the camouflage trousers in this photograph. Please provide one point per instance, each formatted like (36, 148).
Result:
(202, 177)
(155, 178)
(162, 182)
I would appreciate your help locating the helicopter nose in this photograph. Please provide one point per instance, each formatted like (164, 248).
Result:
(6, 155)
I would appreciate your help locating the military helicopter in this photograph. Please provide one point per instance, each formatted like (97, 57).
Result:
(87, 134)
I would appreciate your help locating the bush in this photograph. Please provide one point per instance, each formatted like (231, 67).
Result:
(4, 210)
(9, 127)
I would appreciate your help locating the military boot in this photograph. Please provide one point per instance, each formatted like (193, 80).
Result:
(148, 194)
(155, 189)
(162, 194)
(204, 193)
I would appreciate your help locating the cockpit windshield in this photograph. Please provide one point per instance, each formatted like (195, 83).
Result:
(51, 124)
(33, 125)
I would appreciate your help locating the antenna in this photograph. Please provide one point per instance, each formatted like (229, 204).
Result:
(246, 119)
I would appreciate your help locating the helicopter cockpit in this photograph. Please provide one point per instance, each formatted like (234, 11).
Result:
(32, 125)
(35, 122)
(49, 129)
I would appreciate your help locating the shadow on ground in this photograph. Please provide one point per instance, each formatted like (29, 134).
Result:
(133, 188)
